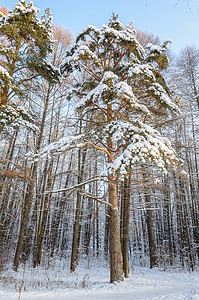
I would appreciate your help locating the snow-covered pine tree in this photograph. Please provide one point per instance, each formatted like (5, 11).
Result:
(25, 41)
(123, 90)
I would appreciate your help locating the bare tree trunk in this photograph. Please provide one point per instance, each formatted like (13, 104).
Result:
(151, 236)
(5, 195)
(106, 232)
(74, 253)
(116, 262)
(29, 191)
(24, 218)
(45, 208)
(75, 243)
(125, 224)
(57, 216)
(187, 233)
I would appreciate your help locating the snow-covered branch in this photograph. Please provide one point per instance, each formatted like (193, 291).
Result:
(77, 186)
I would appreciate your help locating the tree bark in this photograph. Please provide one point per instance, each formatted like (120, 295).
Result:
(29, 191)
(76, 225)
(24, 219)
(116, 262)
(151, 236)
(125, 223)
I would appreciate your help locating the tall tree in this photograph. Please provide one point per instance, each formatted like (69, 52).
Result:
(25, 41)
(63, 39)
(121, 76)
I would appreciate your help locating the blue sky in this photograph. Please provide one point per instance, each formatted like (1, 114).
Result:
(164, 18)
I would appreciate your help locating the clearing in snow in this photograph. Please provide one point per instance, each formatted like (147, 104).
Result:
(91, 282)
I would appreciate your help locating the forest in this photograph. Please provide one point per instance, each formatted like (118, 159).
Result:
(98, 146)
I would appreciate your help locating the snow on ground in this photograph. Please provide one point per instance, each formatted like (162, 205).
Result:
(91, 282)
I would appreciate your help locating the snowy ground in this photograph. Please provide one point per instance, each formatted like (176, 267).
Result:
(92, 283)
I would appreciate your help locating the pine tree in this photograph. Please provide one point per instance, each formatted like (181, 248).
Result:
(25, 42)
(123, 89)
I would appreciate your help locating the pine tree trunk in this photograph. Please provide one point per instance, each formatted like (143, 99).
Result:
(115, 251)
(116, 262)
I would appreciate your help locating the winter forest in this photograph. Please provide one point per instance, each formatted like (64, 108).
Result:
(98, 147)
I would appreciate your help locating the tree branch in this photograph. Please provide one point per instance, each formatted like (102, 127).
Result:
(75, 186)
